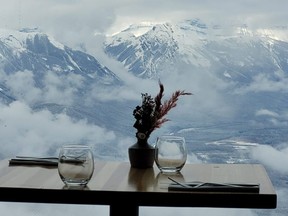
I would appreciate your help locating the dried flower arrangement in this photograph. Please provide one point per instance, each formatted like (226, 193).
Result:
(151, 114)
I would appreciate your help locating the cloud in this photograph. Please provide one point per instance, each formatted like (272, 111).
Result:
(22, 85)
(61, 88)
(75, 22)
(27, 132)
(263, 83)
(208, 100)
(275, 119)
(276, 159)
(266, 112)
(40, 133)
(207, 93)
(56, 87)
(255, 13)
(71, 22)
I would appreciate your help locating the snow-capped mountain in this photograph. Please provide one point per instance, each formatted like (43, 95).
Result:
(63, 80)
(145, 53)
(252, 65)
(235, 55)
(233, 52)
(32, 50)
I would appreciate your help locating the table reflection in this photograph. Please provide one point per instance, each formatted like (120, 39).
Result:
(141, 179)
(162, 181)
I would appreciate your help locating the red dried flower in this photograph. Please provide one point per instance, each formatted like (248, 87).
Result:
(151, 114)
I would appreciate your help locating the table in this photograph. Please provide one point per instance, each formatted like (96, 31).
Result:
(124, 188)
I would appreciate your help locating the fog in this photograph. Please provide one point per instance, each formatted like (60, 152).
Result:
(25, 131)
(84, 24)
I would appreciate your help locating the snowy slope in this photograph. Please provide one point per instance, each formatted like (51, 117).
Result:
(232, 52)
(38, 52)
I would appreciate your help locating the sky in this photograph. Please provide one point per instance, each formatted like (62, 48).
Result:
(85, 22)
(76, 21)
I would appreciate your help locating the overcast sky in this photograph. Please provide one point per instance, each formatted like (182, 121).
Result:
(77, 20)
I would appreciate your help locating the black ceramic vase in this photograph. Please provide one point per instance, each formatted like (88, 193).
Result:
(141, 154)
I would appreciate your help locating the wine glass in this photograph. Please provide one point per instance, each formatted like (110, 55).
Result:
(75, 165)
(170, 153)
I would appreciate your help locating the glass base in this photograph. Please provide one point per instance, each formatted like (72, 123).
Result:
(169, 170)
(75, 183)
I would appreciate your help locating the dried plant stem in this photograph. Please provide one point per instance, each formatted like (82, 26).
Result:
(151, 114)
(167, 105)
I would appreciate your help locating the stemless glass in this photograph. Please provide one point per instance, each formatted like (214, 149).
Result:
(170, 153)
(75, 164)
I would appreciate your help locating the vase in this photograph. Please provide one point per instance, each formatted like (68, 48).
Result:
(141, 154)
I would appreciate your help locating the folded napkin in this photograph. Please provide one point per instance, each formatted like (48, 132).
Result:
(214, 187)
(42, 161)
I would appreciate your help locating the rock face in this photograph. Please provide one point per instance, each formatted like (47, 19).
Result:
(38, 52)
(234, 53)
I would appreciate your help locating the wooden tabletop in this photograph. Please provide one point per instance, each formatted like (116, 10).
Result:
(115, 182)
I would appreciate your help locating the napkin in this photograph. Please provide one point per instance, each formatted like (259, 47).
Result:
(42, 161)
(215, 187)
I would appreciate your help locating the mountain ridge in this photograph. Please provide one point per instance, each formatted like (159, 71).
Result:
(254, 73)
(36, 51)
(195, 43)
